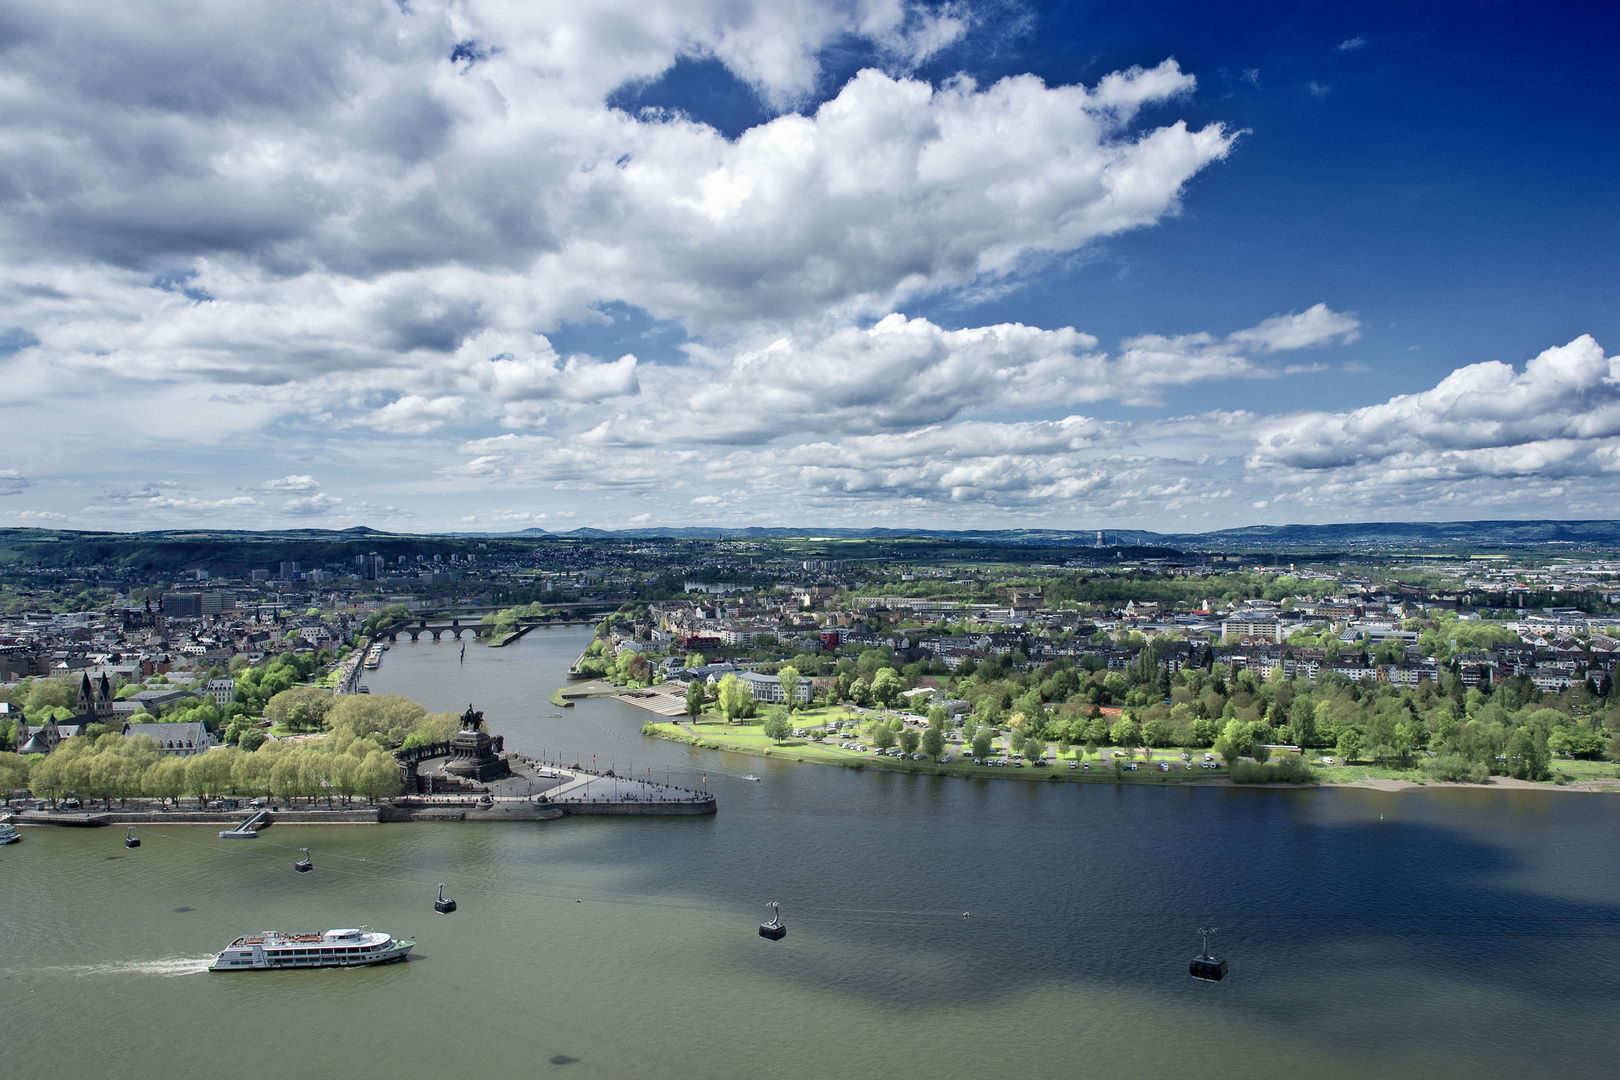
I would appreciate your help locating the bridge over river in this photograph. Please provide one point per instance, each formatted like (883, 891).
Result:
(463, 621)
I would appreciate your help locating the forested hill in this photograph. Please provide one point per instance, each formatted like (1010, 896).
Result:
(1402, 535)
(236, 550)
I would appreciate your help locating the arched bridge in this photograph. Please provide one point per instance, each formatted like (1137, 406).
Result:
(454, 628)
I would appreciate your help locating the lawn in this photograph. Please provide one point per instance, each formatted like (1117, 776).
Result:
(748, 737)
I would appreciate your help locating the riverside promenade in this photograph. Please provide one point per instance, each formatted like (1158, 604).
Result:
(604, 793)
(533, 792)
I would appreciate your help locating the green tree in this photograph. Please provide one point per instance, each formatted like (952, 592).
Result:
(1349, 744)
(982, 743)
(933, 743)
(733, 696)
(777, 726)
(1302, 723)
(1034, 748)
(909, 740)
(790, 679)
(886, 686)
(387, 717)
(860, 692)
(1239, 737)
(210, 773)
(45, 695)
(694, 698)
(302, 708)
(882, 735)
(1527, 755)
(13, 775)
(379, 776)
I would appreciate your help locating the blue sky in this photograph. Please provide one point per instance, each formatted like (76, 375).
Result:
(488, 265)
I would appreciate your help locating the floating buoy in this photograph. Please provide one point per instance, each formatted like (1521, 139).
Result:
(1204, 967)
(304, 866)
(443, 905)
(130, 839)
(773, 929)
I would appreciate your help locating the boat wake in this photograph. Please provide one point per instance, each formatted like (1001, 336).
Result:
(166, 968)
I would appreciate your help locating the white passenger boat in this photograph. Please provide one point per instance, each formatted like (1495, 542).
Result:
(9, 833)
(335, 948)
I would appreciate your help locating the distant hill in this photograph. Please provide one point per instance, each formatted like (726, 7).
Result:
(237, 551)
(1358, 536)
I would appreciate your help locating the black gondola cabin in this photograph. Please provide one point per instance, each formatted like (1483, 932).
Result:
(773, 929)
(1206, 967)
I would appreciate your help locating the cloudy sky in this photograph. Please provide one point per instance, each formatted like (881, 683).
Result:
(475, 264)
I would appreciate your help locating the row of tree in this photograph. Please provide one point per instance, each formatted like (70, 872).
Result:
(113, 767)
(1511, 728)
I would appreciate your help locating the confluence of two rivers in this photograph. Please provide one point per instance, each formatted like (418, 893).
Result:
(1429, 933)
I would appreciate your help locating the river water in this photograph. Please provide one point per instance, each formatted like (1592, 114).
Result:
(1427, 934)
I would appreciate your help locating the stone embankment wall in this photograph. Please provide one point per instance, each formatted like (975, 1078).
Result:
(412, 810)
(366, 815)
(354, 815)
(402, 811)
(638, 809)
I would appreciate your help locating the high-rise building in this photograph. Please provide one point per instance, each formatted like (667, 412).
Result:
(178, 605)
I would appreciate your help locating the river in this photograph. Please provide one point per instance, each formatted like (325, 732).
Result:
(1428, 933)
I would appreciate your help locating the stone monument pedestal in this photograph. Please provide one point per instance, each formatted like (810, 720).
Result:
(475, 754)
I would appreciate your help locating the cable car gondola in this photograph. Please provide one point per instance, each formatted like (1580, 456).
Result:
(773, 929)
(304, 866)
(443, 905)
(130, 839)
(1204, 967)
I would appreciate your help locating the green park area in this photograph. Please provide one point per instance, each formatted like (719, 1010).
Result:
(844, 736)
(818, 744)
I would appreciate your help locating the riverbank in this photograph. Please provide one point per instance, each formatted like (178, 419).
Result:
(750, 739)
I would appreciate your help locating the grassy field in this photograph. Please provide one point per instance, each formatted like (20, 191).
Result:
(1563, 772)
(747, 737)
